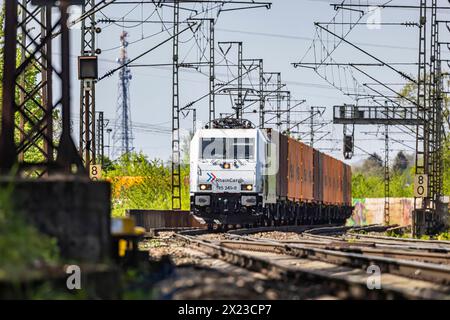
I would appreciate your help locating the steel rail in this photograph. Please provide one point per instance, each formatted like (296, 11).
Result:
(369, 243)
(429, 272)
(403, 240)
(365, 249)
(383, 242)
(336, 283)
(291, 228)
(331, 230)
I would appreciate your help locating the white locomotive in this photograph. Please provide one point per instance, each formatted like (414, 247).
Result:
(229, 174)
(243, 175)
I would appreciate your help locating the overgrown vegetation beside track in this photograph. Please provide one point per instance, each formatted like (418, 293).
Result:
(368, 177)
(444, 236)
(141, 183)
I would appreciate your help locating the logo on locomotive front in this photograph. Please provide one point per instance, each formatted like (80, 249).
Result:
(211, 177)
(231, 180)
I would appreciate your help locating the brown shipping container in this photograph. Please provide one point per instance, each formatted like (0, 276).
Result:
(282, 175)
(332, 173)
(339, 197)
(325, 178)
(297, 174)
(294, 177)
(337, 174)
(318, 176)
(300, 172)
(344, 185)
(336, 165)
(308, 166)
(292, 181)
(305, 174)
(349, 185)
(338, 182)
(341, 183)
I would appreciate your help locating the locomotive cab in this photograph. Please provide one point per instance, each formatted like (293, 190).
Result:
(227, 174)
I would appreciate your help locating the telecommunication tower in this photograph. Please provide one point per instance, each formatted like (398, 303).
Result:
(123, 134)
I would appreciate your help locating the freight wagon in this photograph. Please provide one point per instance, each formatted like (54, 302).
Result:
(259, 176)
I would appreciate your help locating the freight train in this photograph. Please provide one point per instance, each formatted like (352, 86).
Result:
(247, 176)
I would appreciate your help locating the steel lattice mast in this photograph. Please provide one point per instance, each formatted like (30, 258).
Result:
(35, 128)
(176, 166)
(123, 135)
(87, 89)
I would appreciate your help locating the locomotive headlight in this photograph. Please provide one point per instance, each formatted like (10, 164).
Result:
(247, 187)
(226, 165)
(205, 187)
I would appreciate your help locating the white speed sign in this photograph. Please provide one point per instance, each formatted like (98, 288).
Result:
(421, 186)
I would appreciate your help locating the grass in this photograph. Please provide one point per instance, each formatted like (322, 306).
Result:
(444, 236)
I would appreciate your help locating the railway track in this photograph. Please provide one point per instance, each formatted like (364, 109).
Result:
(343, 267)
(437, 243)
(380, 242)
(396, 252)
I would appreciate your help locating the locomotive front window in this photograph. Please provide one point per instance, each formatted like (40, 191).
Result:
(242, 148)
(228, 148)
(213, 148)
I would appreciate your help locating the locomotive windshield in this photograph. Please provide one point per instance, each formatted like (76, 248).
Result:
(228, 148)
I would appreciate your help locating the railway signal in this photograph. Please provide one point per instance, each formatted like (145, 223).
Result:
(88, 75)
(422, 116)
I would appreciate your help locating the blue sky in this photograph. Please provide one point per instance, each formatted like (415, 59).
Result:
(280, 36)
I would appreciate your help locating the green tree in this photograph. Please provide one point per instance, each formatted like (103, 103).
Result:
(401, 163)
(367, 186)
(373, 165)
(401, 185)
(446, 160)
(409, 91)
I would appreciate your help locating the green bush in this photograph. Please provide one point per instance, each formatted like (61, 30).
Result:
(140, 183)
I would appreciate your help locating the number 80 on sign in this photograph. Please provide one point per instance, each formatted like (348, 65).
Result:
(421, 186)
(95, 172)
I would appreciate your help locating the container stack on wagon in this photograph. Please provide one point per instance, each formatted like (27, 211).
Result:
(312, 184)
